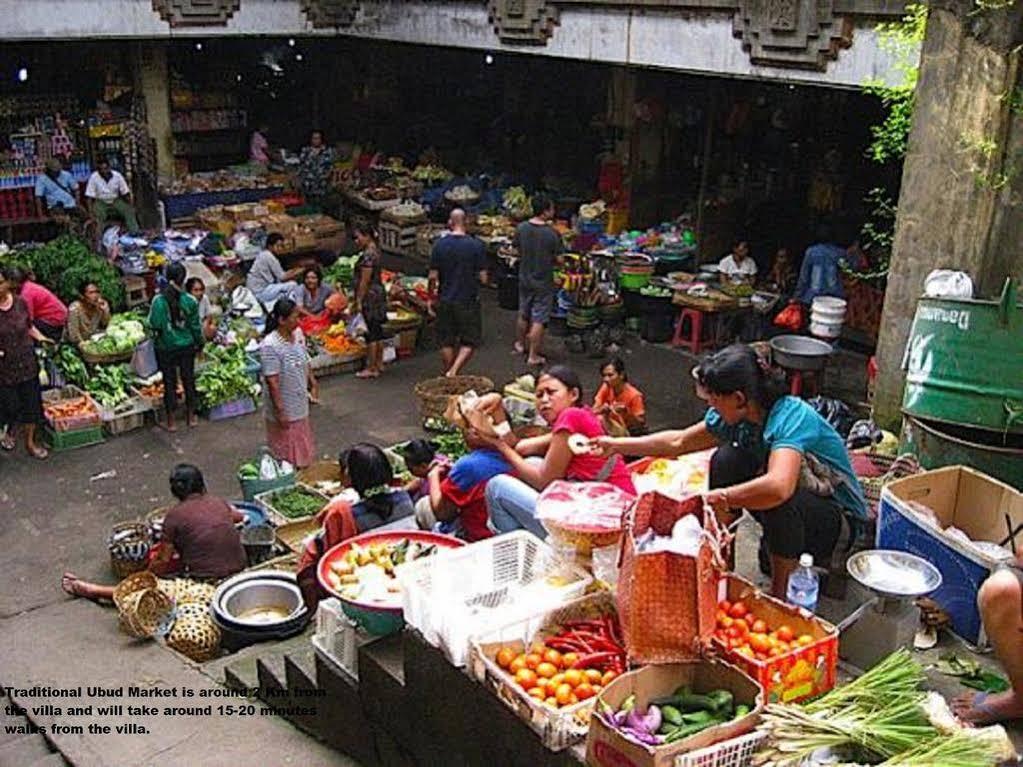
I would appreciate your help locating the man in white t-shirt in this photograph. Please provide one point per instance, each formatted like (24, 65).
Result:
(738, 266)
(107, 191)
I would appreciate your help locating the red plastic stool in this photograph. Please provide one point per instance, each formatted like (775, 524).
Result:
(694, 342)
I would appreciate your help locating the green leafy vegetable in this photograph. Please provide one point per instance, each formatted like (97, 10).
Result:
(296, 502)
(70, 364)
(452, 445)
(64, 263)
(223, 378)
(109, 385)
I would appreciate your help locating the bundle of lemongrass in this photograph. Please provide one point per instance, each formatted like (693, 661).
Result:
(879, 716)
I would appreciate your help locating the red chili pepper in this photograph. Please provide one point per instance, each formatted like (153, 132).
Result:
(594, 659)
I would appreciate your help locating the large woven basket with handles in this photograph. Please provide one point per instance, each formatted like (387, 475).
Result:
(435, 393)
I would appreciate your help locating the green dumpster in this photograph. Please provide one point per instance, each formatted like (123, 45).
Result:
(964, 363)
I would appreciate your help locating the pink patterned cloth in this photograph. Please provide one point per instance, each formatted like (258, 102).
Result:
(291, 441)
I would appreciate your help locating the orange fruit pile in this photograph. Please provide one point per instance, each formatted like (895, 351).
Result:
(548, 676)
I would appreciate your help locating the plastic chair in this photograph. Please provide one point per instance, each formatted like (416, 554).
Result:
(694, 341)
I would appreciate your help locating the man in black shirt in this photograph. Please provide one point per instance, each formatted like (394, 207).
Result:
(539, 247)
(458, 264)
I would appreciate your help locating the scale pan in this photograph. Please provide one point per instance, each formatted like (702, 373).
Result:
(894, 573)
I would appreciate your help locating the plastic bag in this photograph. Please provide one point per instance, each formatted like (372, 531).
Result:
(357, 326)
(791, 317)
(835, 412)
(946, 283)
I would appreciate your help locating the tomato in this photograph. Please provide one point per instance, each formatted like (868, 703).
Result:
(741, 626)
(597, 688)
(573, 699)
(785, 634)
(553, 657)
(584, 691)
(606, 679)
(574, 677)
(784, 647)
(533, 660)
(759, 626)
(526, 678)
(724, 606)
(745, 650)
(564, 694)
(568, 659)
(557, 679)
(538, 648)
(552, 702)
(738, 610)
(546, 670)
(518, 663)
(733, 633)
(725, 622)
(759, 643)
(736, 642)
(593, 676)
(804, 640)
(505, 656)
(537, 692)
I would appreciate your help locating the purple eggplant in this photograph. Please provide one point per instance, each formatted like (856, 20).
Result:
(649, 722)
(641, 736)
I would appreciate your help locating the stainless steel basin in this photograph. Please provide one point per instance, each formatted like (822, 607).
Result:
(261, 602)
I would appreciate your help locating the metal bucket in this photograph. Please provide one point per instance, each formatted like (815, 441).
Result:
(937, 444)
(964, 362)
(258, 541)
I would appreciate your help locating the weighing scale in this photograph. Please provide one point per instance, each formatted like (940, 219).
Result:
(889, 619)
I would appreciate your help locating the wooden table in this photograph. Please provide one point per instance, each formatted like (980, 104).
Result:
(717, 309)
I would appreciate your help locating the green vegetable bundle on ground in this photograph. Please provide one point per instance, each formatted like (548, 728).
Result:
(223, 378)
(109, 384)
(64, 263)
(296, 502)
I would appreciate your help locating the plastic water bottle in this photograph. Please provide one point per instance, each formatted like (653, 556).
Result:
(803, 584)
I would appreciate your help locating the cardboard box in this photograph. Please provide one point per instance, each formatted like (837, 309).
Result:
(304, 240)
(606, 747)
(280, 223)
(983, 508)
(240, 212)
(322, 226)
(799, 674)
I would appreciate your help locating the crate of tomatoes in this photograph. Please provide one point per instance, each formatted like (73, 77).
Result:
(790, 651)
(550, 668)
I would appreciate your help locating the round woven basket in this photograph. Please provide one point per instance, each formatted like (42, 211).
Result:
(143, 613)
(194, 634)
(154, 520)
(129, 544)
(106, 359)
(133, 583)
(435, 393)
(189, 592)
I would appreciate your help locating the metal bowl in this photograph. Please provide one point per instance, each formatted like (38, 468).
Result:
(800, 352)
(894, 573)
(262, 602)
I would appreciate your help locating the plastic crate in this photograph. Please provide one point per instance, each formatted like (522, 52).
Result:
(69, 440)
(737, 752)
(558, 728)
(458, 594)
(398, 238)
(74, 423)
(254, 487)
(336, 637)
(128, 416)
(253, 367)
(266, 500)
(232, 409)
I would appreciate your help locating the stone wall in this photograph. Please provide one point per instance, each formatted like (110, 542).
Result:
(961, 201)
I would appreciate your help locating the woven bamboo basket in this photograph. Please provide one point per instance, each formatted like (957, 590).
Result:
(194, 633)
(142, 613)
(128, 544)
(135, 582)
(434, 394)
(188, 592)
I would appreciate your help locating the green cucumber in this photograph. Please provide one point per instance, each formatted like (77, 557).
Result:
(741, 710)
(672, 715)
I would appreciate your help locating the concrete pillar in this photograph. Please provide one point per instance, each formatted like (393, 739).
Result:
(621, 117)
(149, 65)
(961, 201)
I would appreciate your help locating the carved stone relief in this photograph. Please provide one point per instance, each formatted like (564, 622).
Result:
(529, 22)
(330, 13)
(196, 13)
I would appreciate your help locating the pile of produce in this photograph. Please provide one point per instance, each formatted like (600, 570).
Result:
(71, 407)
(655, 291)
(341, 271)
(69, 363)
(452, 445)
(109, 384)
(224, 377)
(570, 666)
(366, 573)
(674, 717)
(407, 209)
(883, 717)
(517, 202)
(296, 503)
(431, 174)
(740, 630)
(64, 263)
(461, 193)
(123, 334)
(335, 340)
(266, 467)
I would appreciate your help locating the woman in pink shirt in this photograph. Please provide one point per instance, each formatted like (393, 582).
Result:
(47, 312)
(539, 461)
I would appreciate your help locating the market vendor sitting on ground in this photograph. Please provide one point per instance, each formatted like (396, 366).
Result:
(47, 312)
(457, 268)
(311, 296)
(1001, 609)
(536, 462)
(539, 247)
(58, 190)
(267, 279)
(88, 315)
(108, 192)
(775, 457)
(455, 502)
(200, 537)
(738, 267)
(618, 403)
